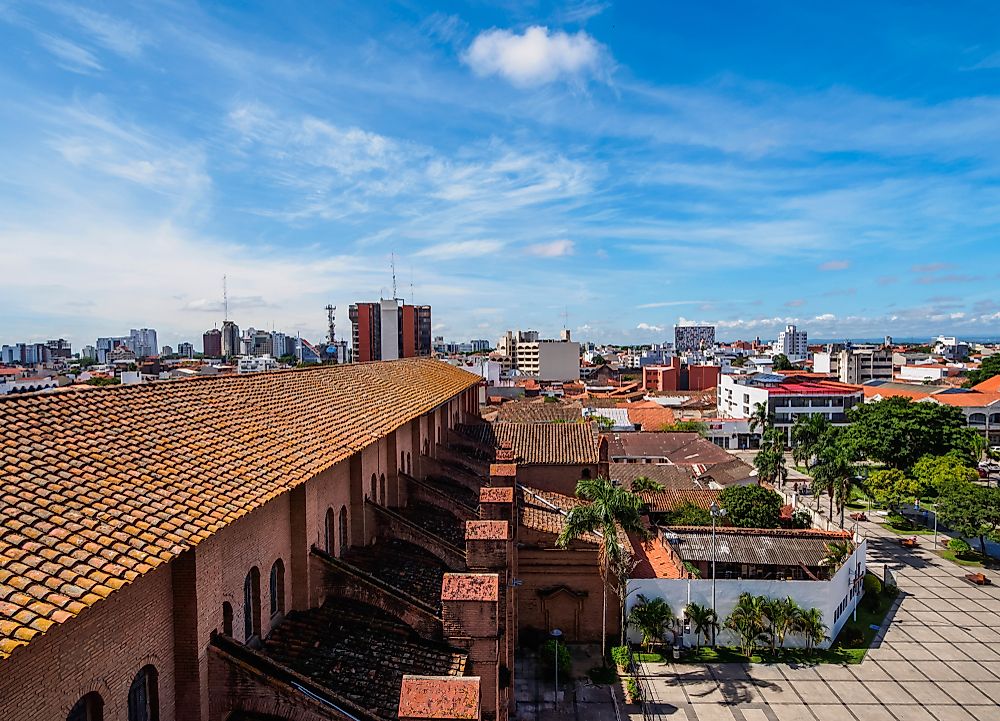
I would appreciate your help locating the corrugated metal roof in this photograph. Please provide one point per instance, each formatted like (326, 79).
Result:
(754, 548)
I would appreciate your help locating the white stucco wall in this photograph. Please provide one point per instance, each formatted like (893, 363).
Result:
(824, 595)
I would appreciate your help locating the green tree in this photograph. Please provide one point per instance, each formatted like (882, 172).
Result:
(760, 418)
(782, 614)
(890, 487)
(835, 473)
(836, 553)
(644, 484)
(652, 618)
(770, 458)
(780, 362)
(896, 431)
(598, 360)
(608, 508)
(936, 474)
(685, 427)
(603, 423)
(751, 506)
(704, 622)
(808, 432)
(810, 626)
(748, 621)
(971, 510)
(987, 369)
(687, 513)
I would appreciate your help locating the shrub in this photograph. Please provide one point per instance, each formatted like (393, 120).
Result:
(899, 522)
(619, 654)
(873, 585)
(547, 654)
(959, 546)
(801, 519)
(852, 638)
(633, 690)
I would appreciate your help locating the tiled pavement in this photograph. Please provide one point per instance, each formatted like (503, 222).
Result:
(938, 661)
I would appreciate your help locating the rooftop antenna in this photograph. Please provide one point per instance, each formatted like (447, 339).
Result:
(413, 299)
(392, 264)
(565, 316)
(225, 298)
(331, 324)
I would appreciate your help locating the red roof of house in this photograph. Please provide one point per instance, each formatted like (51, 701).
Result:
(990, 385)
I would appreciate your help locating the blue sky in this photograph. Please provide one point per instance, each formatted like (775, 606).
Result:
(630, 164)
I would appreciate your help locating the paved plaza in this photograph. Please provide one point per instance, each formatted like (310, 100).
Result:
(939, 659)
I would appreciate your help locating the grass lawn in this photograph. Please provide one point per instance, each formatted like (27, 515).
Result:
(915, 531)
(966, 559)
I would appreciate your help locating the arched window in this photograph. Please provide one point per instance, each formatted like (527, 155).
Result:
(994, 418)
(977, 419)
(328, 529)
(277, 588)
(227, 618)
(585, 473)
(251, 604)
(372, 489)
(381, 489)
(343, 530)
(427, 446)
(143, 696)
(409, 464)
(89, 708)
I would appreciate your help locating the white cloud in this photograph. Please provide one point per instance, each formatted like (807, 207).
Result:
(535, 57)
(72, 57)
(835, 265)
(461, 249)
(670, 303)
(648, 327)
(555, 249)
(116, 35)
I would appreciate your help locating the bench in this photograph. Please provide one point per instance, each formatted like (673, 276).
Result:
(979, 579)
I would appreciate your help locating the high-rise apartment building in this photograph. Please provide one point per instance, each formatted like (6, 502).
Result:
(793, 342)
(211, 343)
(106, 345)
(548, 360)
(59, 348)
(185, 350)
(691, 338)
(389, 329)
(142, 342)
(231, 342)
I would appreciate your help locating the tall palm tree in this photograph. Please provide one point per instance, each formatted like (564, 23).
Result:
(782, 615)
(810, 625)
(835, 474)
(704, 622)
(807, 432)
(760, 418)
(651, 617)
(608, 509)
(747, 620)
(770, 459)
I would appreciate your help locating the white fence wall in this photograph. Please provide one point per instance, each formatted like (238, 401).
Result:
(827, 596)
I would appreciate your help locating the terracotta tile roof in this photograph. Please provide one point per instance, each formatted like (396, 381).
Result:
(654, 561)
(546, 512)
(669, 499)
(434, 697)
(679, 448)
(728, 472)
(669, 476)
(546, 444)
(102, 487)
(990, 385)
(970, 399)
(539, 412)
(649, 416)
(470, 587)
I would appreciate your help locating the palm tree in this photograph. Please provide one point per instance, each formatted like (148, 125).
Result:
(760, 418)
(608, 509)
(835, 474)
(810, 625)
(643, 484)
(704, 622)
(782, 615)
(748, 621)
(770, 459)
(807, 432)
(836, 553)
(651, 618)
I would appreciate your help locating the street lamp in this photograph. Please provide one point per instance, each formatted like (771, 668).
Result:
(717, 512)
(556, 633)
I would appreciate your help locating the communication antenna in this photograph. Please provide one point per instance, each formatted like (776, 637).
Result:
(392, 264)
(413, 299)
(565, 316)
(225, 299)
(331, 324)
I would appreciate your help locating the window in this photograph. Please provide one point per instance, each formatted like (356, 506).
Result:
(977, 419)
(227, 618)
(343, 529)
(143, 697)
(402, 461)
(88, 708)
(585, 473)
(251, 604)
(328, 536)
(277, 588)
(409, 465)
(371, 489)
(381, 489)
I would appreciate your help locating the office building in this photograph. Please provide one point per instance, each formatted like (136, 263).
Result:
(691, 338)
(59, 348)
(389, 329)
(231, 344)
(211, 343)
(106, 345)
(185, 350)
(855, 365)
(547, 360)
(793, 343)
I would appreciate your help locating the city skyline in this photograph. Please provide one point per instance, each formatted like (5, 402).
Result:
(519, 162)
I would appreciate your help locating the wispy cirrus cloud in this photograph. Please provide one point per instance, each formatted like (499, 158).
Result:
(831, 265)
(553, 249)
(459, 250)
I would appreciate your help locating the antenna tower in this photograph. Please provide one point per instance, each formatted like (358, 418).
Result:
(565, 316)
(225, 299)
(331, 324)
(392, 265)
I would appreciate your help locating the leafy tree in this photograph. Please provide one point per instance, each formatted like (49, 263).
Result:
(780, 362)
(604, 423)
(704, 622)
(751, 506)
(608, 509)
(936, 474)
(971, 510)
(739, 362)
(801, 519)
(835, 474)
(987, 369)
(645, 484)
(808, 432)
(598, 360)
(103, 382)
(685, 427)
(652, 618)
(782, 614)
(896, 431)
(760, 418)
(748, 621)
(687, 513)
(836, 553)
(810, 625)
(890, 487)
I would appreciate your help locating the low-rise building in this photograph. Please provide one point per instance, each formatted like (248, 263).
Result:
(256, 364)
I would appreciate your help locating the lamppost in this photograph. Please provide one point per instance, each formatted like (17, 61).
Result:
(556, 633)
(717, 512)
